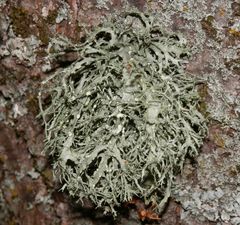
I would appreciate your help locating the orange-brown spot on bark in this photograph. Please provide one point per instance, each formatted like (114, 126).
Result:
(204, 96)
(232, 171)
(234, 65)
(21, 21)
(218, 140)
(185, 8)
(234, 32)
(222, 12)
(207, 25)
(14, 193)
(236, 8)
(144, 212)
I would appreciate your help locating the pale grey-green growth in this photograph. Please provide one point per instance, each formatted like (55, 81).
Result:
(123, 117)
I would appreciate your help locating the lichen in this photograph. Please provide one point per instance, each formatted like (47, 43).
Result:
(123, 117)
(21, 48)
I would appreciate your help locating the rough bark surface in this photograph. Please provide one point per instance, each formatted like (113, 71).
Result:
(208, 190)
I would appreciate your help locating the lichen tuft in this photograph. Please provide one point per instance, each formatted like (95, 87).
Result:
(123, 117)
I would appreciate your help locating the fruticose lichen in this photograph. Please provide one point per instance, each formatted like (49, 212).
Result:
(123, 117)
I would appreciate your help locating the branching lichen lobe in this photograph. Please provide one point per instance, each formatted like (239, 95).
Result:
(123, 117)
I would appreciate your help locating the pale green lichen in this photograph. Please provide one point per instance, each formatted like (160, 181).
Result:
(123, 117)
